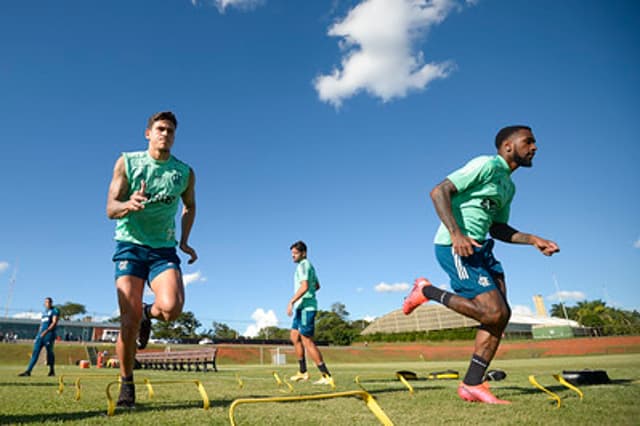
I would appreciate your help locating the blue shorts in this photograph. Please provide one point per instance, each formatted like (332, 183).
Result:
(143, 261)
(471, 275)
(304, 322)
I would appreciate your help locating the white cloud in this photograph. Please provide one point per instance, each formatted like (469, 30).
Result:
(195, 277)
(27, 315)
(369, 318)
(102, 318)
(636, 243)
(263, 319)
(3, 266)
(187, 279)
(521, 310)
(379, 42)
(238, 4)
(566, 296)
(389, 288)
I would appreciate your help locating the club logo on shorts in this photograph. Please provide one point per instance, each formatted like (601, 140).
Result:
(122, 265)
(483, 281)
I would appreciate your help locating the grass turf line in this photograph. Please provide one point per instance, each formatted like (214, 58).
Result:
(34, 400)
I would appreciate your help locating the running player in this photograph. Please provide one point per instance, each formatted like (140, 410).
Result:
(471, 202)
(144, 195)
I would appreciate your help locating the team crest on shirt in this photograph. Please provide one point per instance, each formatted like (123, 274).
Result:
(484, 281)
(489, 204)
(176, 178)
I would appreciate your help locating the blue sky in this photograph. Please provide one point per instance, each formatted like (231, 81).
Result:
(327, 121)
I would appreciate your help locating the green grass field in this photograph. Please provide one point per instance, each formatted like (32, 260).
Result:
(25, 400)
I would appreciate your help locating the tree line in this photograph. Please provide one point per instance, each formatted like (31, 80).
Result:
(335, 328)
(605, 320)
(332, 327)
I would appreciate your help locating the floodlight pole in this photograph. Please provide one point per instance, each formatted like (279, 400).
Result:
(606, 293)
(564, 310)
(12, 282)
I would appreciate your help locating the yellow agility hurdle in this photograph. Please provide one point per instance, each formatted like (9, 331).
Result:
(401, 378)
(239, 380)
(111, 406)
(552, 395)
(405, 382)
(563, 382)
(366, 397)
(280, 383)
(78, 387)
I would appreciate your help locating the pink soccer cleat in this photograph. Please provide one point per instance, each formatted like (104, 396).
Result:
(479, 393)
(415, 298)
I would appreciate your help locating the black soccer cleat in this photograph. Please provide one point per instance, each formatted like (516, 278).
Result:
(25, 374)
(127, 398)
(145, 328)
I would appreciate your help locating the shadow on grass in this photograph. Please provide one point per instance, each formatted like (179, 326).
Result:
(50, 417)
(556, 388)
(83, 415)
(520, 390)
(625, 382)
(179, 405)
(372, 391)
(26, 384)
(375, 392)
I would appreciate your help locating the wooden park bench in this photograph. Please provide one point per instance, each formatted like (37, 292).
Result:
(199, 359)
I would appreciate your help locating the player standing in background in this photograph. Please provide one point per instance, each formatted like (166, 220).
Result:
(46, 338)
(303, 306)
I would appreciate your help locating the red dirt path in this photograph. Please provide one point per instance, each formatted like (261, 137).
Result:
(382, 352)
(532, 348)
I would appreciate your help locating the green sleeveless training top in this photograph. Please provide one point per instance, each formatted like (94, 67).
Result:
(485, 192)
(306, 272)
(154, 226)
